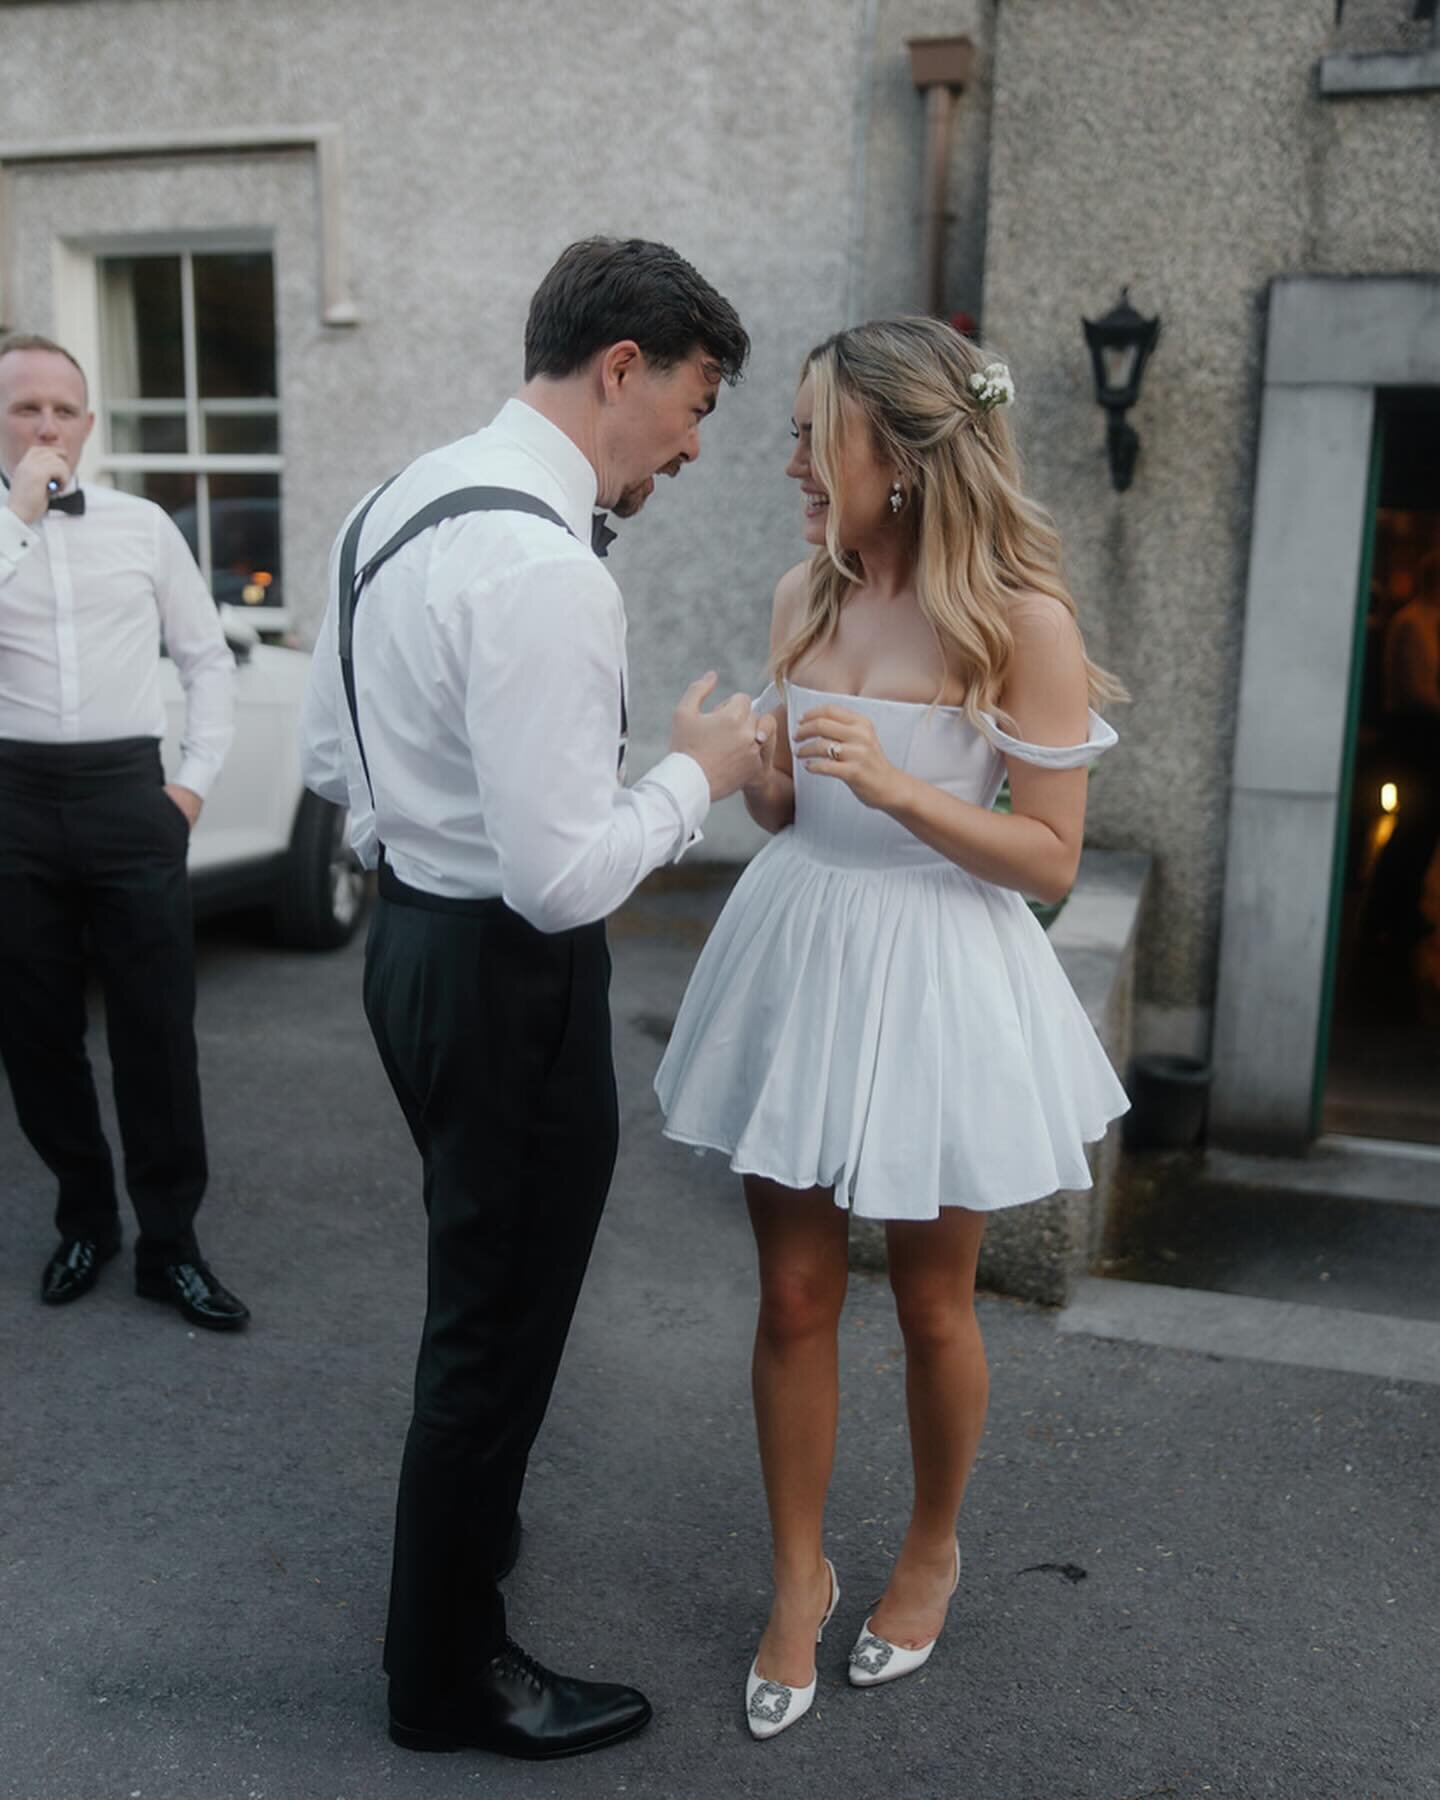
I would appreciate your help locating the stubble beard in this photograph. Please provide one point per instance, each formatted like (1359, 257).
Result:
(631, 500)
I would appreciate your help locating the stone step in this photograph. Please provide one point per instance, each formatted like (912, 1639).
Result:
(1344, 1229)
(1258, 1330)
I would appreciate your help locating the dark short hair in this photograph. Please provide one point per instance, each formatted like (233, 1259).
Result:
(31, 340)
(603, 290)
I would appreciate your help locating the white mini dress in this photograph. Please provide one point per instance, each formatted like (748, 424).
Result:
(867, 1016)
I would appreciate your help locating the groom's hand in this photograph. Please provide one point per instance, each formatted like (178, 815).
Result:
(766, 738)
(730, 744)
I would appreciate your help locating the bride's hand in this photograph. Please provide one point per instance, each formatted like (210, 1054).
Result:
(843, 744)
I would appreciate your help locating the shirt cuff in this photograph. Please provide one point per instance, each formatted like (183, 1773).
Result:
(687, 788)
(196, 775)
(17, 538)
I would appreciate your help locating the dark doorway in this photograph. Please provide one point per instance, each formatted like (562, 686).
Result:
(1383, 1075)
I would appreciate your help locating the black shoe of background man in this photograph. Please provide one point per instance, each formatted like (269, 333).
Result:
(191, 1288)
(512, 1549)
(75, 1268)
(517, 1707)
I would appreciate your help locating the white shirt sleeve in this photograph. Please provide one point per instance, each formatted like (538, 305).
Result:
(195, 640)
(330, 762)
(543, 668)
(17, 540)
(324, 766)
(324, 762)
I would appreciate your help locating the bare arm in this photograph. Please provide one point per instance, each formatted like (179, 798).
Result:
(770, 800)
(1412, 663)
(1036, 847)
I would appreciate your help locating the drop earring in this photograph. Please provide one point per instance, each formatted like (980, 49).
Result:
(897, 499)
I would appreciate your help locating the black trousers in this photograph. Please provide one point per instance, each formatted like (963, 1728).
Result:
(496, 1039)
(91, 848)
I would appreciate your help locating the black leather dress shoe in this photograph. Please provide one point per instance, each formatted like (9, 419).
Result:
(520, 1708)
(192, 1289)
(74, 1269)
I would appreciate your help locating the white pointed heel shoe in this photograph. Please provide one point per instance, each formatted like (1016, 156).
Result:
(769, 1705)
(876, 1659)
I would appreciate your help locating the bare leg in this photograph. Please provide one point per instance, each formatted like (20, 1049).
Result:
(947, 1387)
(802, 1240)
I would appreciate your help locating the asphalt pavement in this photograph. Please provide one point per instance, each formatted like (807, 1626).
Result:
(1184, 1574)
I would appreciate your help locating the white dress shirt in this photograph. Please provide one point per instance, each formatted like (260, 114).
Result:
(85, 602)
(489, 672)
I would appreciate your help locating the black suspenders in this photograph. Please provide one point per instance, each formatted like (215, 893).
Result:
(353, 581)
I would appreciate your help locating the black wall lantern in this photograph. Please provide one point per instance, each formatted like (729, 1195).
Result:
(1120, 346)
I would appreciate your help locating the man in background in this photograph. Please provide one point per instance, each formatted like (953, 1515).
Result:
(93, 840)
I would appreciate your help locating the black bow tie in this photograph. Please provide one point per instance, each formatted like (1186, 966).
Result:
(601, 536)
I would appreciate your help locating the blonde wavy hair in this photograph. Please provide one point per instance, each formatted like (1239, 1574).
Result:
(978, 541)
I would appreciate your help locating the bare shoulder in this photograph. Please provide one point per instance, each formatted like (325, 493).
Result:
(791, 593)
(1048, 646)
(791, 590)
(1047, 686)
(1041, 623)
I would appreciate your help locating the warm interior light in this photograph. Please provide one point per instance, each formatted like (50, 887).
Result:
(1389, 797)
(253, 594)
(262, 578)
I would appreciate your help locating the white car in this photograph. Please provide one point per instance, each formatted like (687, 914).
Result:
(263, 839)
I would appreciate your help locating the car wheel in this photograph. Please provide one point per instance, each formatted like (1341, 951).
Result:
(321, 896)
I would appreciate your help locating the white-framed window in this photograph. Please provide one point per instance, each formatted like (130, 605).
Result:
(189, 405)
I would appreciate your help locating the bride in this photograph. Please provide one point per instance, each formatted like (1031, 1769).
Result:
(877, 1022)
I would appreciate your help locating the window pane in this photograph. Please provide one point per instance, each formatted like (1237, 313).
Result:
(235, 325)
(176, 493)
(143, 349)
(245, 539)
(242, 434)
(148, 434)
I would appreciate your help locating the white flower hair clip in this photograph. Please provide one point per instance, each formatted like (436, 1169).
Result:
(993, 386)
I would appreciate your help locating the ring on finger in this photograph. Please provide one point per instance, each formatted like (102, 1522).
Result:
(833, 752)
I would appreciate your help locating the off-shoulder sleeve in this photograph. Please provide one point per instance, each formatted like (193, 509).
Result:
(768, 701)
(1055, 756)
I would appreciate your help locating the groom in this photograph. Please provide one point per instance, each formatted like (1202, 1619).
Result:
(467, 702)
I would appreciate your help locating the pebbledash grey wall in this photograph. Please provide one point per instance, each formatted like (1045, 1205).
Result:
(1195, 153)
(778, 147)
(1188, 151)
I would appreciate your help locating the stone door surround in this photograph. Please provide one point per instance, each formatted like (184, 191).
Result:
(1331, 342)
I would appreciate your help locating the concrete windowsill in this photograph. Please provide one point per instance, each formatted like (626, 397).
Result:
(1347, 75)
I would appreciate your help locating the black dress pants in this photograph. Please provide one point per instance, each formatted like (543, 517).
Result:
(91, 845)
(496, 1040)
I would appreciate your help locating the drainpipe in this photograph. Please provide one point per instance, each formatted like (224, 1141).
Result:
(940, 68)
